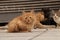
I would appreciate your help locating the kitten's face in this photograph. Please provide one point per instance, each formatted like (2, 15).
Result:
(40, 16)
(28, 18)
(55, 16)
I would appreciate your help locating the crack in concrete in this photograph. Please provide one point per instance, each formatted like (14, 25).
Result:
(38, 35)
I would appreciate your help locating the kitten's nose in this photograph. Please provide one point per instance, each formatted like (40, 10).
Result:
(28, 20)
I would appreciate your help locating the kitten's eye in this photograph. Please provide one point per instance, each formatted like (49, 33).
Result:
(30, 17)
(26, 18)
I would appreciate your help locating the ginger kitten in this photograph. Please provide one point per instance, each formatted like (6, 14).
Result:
(23, 23)
(39, 18)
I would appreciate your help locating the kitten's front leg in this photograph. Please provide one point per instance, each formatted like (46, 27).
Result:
(58, 26)
(38, 25)
(30, 29)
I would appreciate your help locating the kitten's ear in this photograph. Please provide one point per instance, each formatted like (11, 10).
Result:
(53, 11)
(32, 11)
(21, 18)
(23, 12)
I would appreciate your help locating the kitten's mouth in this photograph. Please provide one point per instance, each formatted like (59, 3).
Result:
(28, 22)
(56, 17)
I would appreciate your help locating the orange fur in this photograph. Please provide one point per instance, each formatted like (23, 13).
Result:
(23, 23)
(39, 18)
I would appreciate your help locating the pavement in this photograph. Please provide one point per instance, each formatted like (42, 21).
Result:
(36, 34)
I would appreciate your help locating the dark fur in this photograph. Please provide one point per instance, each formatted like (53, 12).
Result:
(48, 15)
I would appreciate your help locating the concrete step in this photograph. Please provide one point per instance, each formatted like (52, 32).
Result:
(4, 35)
(53, 34)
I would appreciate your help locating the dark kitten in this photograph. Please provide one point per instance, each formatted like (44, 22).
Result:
(49, 17)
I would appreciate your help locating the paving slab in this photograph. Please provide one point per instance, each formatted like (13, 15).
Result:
(4, 35)
(51, 34)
